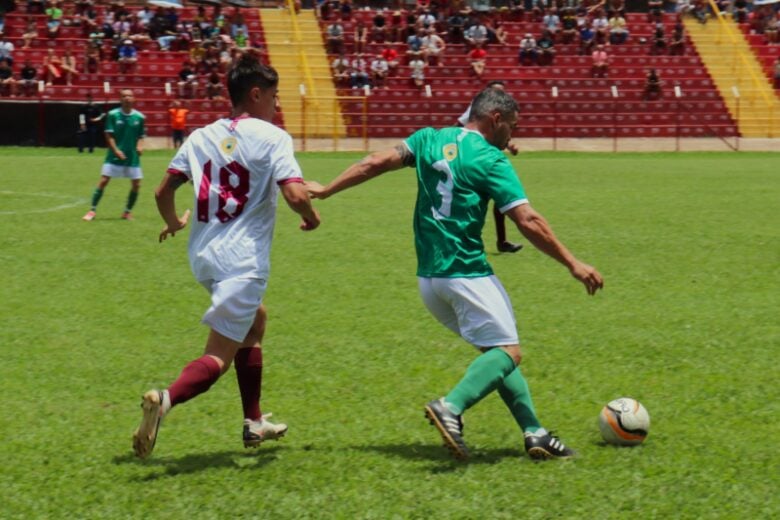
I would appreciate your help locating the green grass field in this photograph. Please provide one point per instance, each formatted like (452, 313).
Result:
(94, 314)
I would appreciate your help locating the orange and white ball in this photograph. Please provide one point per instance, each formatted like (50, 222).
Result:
(624, 422)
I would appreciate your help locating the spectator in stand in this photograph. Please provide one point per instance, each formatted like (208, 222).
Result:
(777, 73)
(379, 28)
(600, 58)
(2, 22)
(52, 64)
(335, 34)
(89, 20)
(529, 52)
(360, 38)
(587, 41)
(30, 33)
(546, 46)
(600, 27)
(128, 57)
(178, 115)
(214, 85)
(379, 71)
(618, 30)
(772, 28)
(345, 7)
(69, 66)
(551, 22)
(395, 30)
(652, 89)
(341, 72)
(7, 81)
(414, 46)
(477, 58)
(28, 82)
(7, 50)
(476, 35)
(358, 77)
(241, 39)
(496, 33)
(417, 67)
(122, 27)
(740, 11)
(237, 23)
(145, 15)
(582, 18)
(391, 56)
(677, 42)
(568, 26)
(655, 11)
(89, 117)
(53, 19)
(658, 45)
(188, 81)
(434, 47)
(701, 10)
(456, 26)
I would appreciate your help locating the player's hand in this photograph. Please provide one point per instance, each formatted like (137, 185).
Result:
(121, 155)
(512, 148)
(167, 230)
(311, 223)
(589, 277)
(315, 189)
(139, 150)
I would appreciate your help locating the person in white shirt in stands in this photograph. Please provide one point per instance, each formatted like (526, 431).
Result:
(434, 46)
(379, 71)
(238, 166)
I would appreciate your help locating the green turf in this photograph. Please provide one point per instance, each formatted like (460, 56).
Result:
(94, 314)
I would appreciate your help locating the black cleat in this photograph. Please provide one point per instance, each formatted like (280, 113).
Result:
(450, 427)
(543, 445)
(508, 247)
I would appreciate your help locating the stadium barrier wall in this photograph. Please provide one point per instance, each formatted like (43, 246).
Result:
(35, 123)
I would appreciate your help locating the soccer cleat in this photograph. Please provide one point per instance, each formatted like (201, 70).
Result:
(127, 215)
(146, 434)
(450, 427)
(508, 247)
(90, 216)
(255, 432)
(543, 445)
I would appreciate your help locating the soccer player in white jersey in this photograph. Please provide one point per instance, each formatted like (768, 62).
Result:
(237, 165)
(458, 171)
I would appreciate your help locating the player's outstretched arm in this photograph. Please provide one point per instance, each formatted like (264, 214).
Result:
(367, 168)
(165, 196)
(297, 197)
(536, 229)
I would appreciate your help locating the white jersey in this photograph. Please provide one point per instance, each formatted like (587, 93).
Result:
(236, 167)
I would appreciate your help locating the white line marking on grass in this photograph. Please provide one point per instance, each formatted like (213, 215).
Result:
(72, 204)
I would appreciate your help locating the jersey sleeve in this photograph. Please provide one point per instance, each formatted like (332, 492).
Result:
(416, 141)
(180, 164)
(286, 168)
(142, 129)
(503, 185)
(110, 122)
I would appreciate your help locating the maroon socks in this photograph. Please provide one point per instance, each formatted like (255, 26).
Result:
(196, 378)
(249, 373)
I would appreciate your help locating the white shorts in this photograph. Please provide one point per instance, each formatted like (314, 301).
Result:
(234, 304)
(129, 172)
(477, 309)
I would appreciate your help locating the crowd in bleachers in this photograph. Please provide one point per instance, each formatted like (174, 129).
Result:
(114, 32)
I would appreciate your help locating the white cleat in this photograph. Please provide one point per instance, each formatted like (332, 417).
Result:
(255, 432)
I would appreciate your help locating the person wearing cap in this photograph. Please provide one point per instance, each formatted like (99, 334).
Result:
(128, 56)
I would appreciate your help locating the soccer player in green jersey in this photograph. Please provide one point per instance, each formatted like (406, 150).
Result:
(458, 171)
(125, 130)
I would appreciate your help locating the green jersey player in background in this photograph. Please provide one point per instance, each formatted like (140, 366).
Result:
(459, 170)
(125, 130)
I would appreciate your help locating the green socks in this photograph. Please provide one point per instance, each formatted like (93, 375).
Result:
(483, 376)
(96, 197)
(131, 200)
(514, 391)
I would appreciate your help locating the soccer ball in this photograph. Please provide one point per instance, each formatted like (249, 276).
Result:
(624, 422)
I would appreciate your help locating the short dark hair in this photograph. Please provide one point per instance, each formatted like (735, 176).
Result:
(249, 72)
(491, 100)
(495, 83)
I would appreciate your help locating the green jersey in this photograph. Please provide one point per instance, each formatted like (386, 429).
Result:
(458, 172)
(127, 129)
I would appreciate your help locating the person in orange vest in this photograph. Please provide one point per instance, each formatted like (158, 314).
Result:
(178, 122)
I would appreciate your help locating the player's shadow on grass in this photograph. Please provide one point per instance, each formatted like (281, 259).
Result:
(440, 455)
(195, 462)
